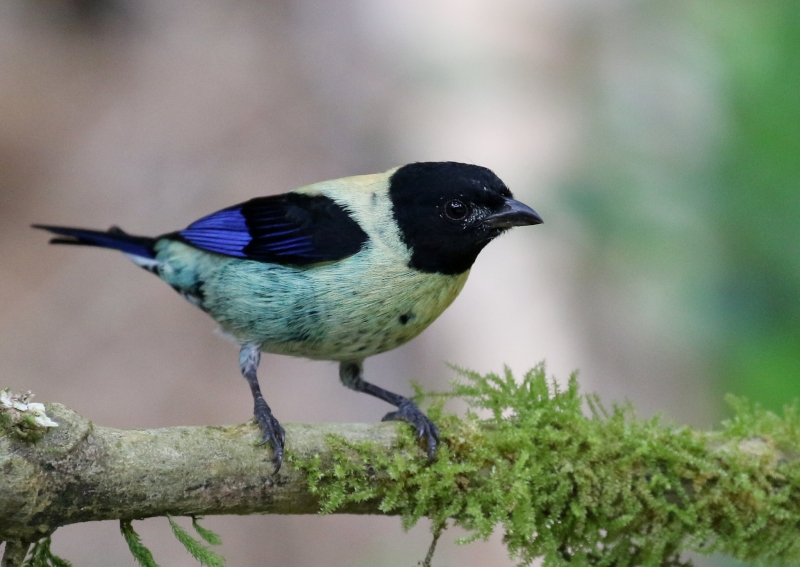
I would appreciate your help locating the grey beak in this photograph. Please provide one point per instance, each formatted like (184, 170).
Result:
(513, 213)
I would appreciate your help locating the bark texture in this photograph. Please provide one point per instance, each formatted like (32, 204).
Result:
(551, 471)
(80, 472)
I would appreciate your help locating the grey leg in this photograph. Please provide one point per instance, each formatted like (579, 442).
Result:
(271, 430)
(351, 375)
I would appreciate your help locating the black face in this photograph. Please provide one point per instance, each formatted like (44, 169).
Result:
(447, 212)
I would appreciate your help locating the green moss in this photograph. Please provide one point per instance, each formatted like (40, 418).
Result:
(600, 487)
(197, 550)
(205, 533)
(22, 421)
(140, 553)
(40, 555)
(24, 428)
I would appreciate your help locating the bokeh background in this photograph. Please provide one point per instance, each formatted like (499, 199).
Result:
(659, 140)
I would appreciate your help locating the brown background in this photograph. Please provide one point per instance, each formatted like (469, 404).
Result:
(151, 114)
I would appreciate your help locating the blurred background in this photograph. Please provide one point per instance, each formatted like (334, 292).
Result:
(659, 140)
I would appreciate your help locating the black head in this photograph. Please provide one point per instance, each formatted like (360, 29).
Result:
(447, 212)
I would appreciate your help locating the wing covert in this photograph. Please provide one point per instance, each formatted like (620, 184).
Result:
(292, 228)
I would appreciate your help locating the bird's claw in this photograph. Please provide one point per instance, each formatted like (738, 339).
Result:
(271, 432)
(409, 412)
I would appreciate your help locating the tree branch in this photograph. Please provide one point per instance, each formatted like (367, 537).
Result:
(79, 472)
(602, 488)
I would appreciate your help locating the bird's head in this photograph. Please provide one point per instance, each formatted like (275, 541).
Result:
(447, 212)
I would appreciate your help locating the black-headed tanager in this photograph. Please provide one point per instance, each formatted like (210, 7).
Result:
(338, 270)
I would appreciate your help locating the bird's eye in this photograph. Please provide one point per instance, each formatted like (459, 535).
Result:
(455, 209)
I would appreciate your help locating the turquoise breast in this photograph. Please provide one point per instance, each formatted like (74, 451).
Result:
(345, 310)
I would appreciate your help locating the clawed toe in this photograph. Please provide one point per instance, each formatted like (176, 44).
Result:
(409, 412)
(271, 432)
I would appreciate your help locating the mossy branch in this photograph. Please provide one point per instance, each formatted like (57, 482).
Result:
(603, 488)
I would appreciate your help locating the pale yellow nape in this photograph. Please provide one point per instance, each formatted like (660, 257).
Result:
(366, 198)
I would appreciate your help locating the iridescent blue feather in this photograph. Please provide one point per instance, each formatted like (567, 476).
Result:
(283, 229)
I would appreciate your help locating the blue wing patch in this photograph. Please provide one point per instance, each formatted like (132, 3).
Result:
(285, 229)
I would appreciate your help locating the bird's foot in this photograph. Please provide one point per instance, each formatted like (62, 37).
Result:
(271, 431)
(409, 412)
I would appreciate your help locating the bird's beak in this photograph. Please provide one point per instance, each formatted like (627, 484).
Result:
(513, 213)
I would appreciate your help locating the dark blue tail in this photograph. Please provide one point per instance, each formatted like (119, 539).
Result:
(114, 238)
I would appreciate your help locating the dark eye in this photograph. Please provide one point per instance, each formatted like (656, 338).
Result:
(455, 209)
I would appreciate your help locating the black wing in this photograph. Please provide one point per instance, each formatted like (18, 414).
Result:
(291, 228)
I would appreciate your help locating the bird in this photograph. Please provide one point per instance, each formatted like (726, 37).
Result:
(339, 270)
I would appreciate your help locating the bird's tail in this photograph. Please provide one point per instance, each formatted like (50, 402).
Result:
(140, 249)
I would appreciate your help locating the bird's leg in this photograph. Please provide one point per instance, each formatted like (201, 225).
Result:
(271, 430)
(351, 375)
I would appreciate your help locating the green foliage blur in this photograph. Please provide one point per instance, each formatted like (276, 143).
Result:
(707, 213)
